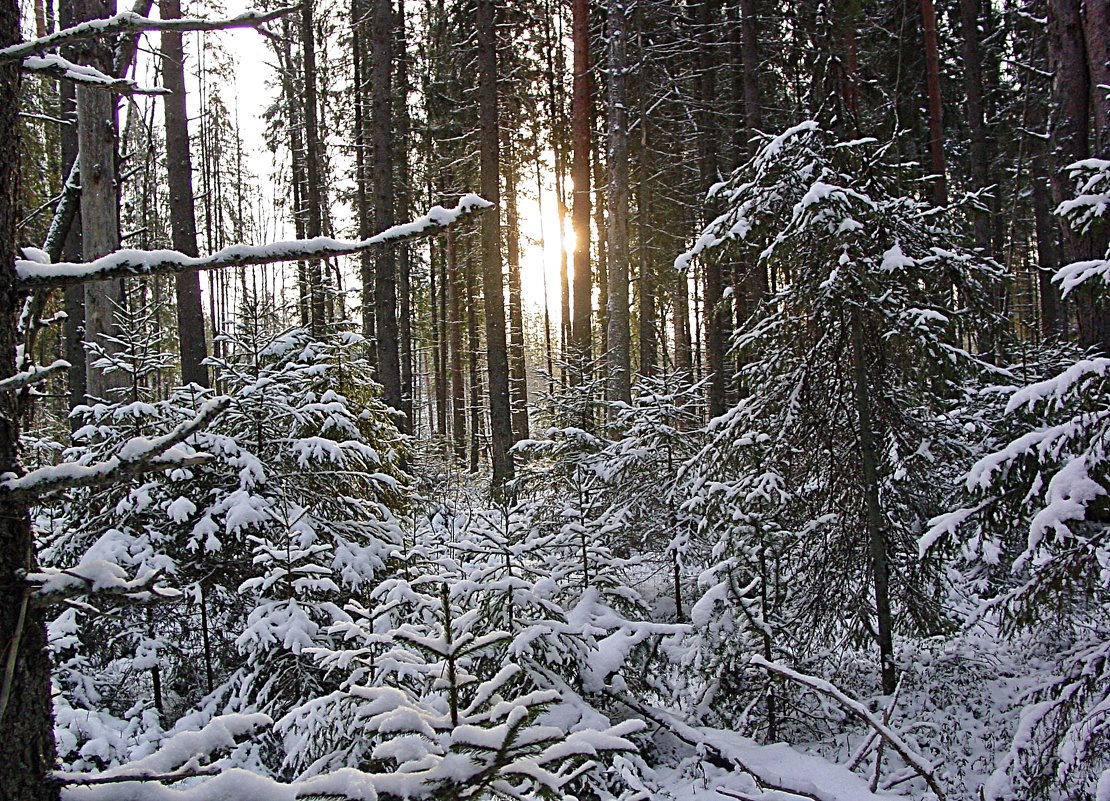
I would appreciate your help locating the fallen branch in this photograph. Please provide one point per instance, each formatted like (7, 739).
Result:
(693, 738)
(913, 759)
(126, 263)
(130, 22)
(87, 779)
(138, 456)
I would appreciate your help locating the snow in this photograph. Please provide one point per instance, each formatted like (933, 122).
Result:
(142, 262)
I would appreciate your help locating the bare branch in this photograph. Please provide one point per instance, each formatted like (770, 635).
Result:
(86, 779)
(130, 22)
(919, 764)
(138, 456)
(125, 263)
(54, 66)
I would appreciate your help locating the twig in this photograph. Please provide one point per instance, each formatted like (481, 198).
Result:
(914, 760)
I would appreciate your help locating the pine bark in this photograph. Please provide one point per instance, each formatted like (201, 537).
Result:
(618, 353)
(27, 752)
(582, 317)
(493, 286)
(97, 137)
(518, 367)
(183, 223)
(385, 266)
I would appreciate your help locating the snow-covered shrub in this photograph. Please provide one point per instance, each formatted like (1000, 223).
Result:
(1034, 521)
(815, 487)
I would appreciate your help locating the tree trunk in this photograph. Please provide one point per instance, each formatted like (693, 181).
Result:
(493, 285)
(474, 346)
(454, 350)
(713, 311)
(385, 266)
(1069, 126)
(582, 322)
(74, 327)
(96, 137)
(314, 206)
(932, 83)
(401, 150)
(618, 354)
(873, 519)
(27, 753)
(183, 223)
(518, 368)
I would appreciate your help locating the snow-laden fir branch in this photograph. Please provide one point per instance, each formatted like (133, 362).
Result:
(124, 263)
(137, 456)
(129, 21)
(54, 66)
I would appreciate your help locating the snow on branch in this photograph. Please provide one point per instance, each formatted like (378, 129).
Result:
(33, 375)
(130, 22)
(123, 263)
(916, 761)
(139, 455)
(54, 66)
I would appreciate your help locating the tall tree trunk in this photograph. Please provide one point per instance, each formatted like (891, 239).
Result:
(932, 83)
(707, 165)
(474, 347)
(582, 323)
(454, 350)
(1069, 126)
(74, 295)
(518, 368)
(873, 515)
(385, 266)
(618, 354)
(313, 203)
(183, 222)
(493, 285)
(362, 167)
(27, 751)
(646, 288)
(976, 126)
(404, 180)
(96, 137)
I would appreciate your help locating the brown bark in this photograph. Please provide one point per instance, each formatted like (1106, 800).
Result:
(183, 223)
(518, 368)
(455, 351)
(385, 266)
(493, 286)
(97, 136)
(27, 753)
(402, 206)
(618, 352)
(582, 322)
